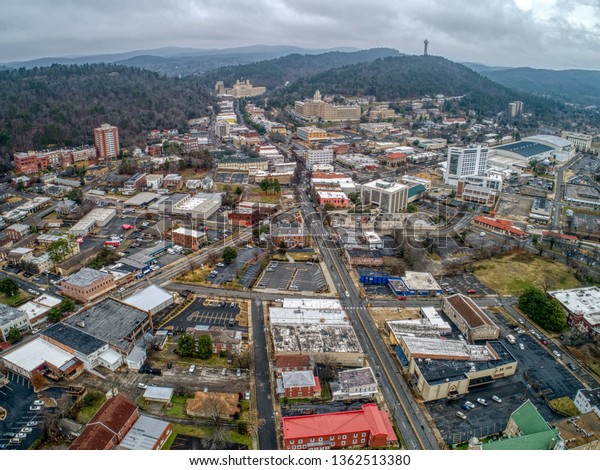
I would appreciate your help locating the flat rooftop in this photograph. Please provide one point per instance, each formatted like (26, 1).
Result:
(420, 281)
(85, 276)
(583, 301)
(385, 186)
(111, 321)
(459, 350)
(144, 434)
(525, 149)
(73, 338)
(321, 304)
(356, 378)
(142, 198)
(438, 370)
(303, 316)
(31, 355)
(9, 314)
(315, 339)
(148, 298)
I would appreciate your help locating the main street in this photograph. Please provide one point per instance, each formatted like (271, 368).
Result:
(410, 420)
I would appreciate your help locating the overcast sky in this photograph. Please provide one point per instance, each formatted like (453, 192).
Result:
(557, 34)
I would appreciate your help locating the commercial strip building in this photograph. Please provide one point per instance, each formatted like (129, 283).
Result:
(151, 299)
(315, 329)
(367, 427)
(471, 320)
(37, 308)
(354, 384)
(582, 306)
(430, 324)
(415, 283)
(442, 368)
(503, 226)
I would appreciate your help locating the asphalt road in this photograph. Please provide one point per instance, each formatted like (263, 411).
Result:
(410, 421)
(267, 434)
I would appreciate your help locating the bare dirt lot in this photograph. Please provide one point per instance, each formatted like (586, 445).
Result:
(383, 314)
(514, 207)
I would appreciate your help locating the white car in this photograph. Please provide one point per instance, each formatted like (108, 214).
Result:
(142, 385)
(247, 395)
(39, 402)
(483, 401)
(26, 430)
(556, 353)
(521, 346)
(192, 368)
(496, 399)
(35, 408)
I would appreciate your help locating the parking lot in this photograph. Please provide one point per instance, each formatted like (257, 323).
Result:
(462, 283)
(538, 371)
(302, 277)
(206, 312)
(232, 178)
(228, 272)
(16, 397)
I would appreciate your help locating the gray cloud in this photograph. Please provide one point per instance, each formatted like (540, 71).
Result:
(539, 33)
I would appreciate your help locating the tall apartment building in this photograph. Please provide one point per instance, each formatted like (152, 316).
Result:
(581, 141)
(514, 108)
(318, 156)
(319, 109)
(106, 141)
(463, 162)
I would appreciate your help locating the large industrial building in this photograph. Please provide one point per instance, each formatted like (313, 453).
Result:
(537, 147)
(471, 320)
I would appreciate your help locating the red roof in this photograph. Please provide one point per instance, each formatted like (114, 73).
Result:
(368, 418)
(573, 238)
(395, 155)
(297, 360)
(110, 420)
(500, 224)
(328, 175)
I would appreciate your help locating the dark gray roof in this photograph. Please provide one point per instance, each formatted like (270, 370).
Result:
(85, 277)
(74, 338)
(525, 149)
(111, 321)
(9, 314)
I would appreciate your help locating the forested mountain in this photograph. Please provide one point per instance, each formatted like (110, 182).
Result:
(178, 61)
(395, 78)
(60, 105)
(573, 86)
(275, 73)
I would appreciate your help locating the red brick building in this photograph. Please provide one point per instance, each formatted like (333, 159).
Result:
(292, 363)
(87, 284)
(503, 226)
(299, 384)
(243, 217)
(367, 427)
(30, 162)
(337, 199)
(188, 238)
(109, 425)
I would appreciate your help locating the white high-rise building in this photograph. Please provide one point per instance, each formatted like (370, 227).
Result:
(463, 162)
(318, 157)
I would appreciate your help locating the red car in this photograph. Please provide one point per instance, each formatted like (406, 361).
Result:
(401, 297)
(471, 291)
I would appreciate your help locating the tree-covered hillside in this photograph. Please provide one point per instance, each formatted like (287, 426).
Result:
(276, 72)
(61, 105)
(395, 78)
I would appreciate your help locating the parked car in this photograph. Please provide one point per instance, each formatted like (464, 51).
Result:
(32, 424)
(21, 435)
(35, 408)
(471, 291)
(470, 405)
(27, 430)
(483, 401)
(521, 346)
(556, 353)
(466, 407)
(192, 368)
(142, 385)
(496, 399)
(39, 402)
(238, 373)
(572, 366)
(247, 395)
(461, 415)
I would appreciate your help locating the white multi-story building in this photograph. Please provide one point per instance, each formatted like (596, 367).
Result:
(389, 196)
(318, 156)
(463, 162)
(581, 141)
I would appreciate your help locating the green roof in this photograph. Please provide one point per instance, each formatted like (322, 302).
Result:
(416, 189)
(540, 441)
(529, 419)
(535, 432)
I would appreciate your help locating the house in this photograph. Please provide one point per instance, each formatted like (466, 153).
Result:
(367, 427)
(588, 400)
(471, 320)
(207, 404)
(109, 426)
(292, 363)
(222, 339)
(354, 384)
(299, 384)
(87, 284)
(289, 235)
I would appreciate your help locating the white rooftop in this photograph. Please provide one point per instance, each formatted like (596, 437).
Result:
(321, 304)
(158, 393)
(298, 378)
(385, 186)
(189, 232)
(447, 349)
(148, 298)
(291, 316)
(583, 301)
(420, 281)
(551, 139)
(31, 355)
(332, 194)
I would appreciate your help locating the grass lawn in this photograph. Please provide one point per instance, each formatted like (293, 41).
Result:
(197, 275)
(178, 406)
(16, 300)
(256, 195)
(88, 411)
(204, 431)
(564, 405)
(512, 274)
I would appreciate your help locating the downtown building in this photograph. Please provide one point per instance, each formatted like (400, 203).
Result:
(465, 162)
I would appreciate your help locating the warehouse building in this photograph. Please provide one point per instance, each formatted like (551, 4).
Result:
(151, 299)
(470, 319)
